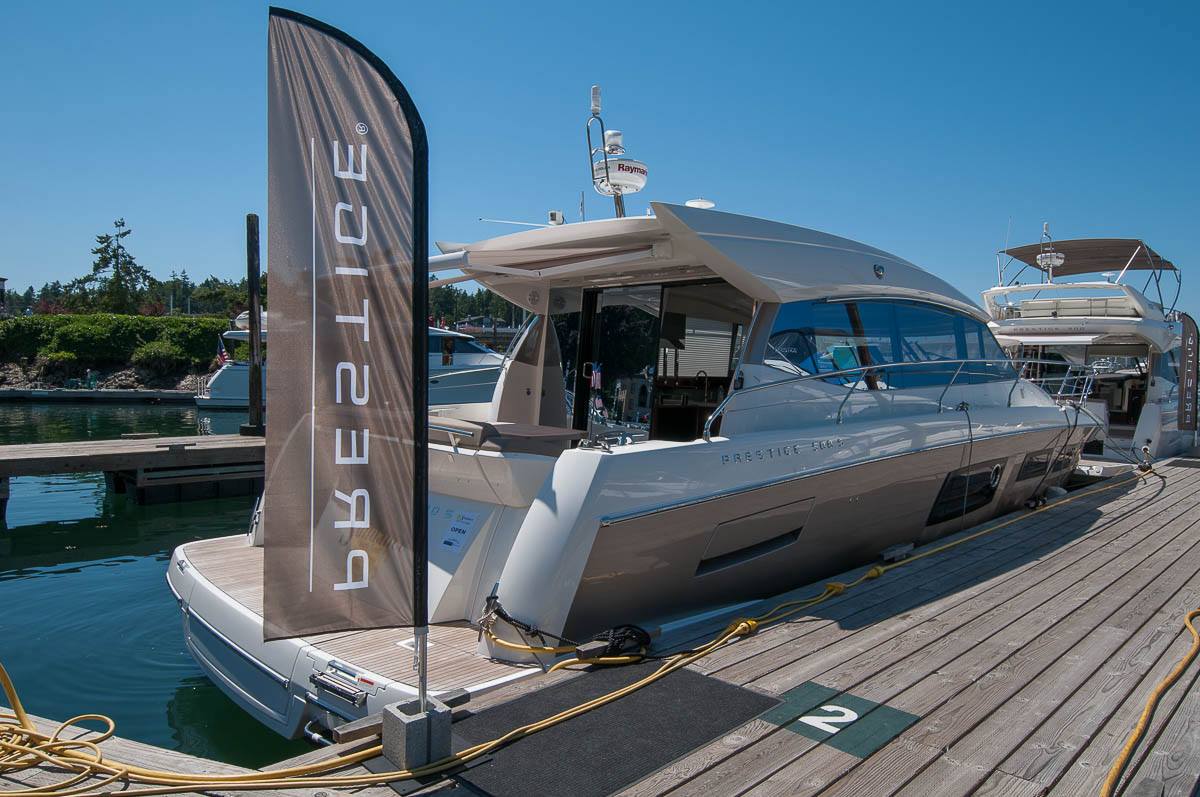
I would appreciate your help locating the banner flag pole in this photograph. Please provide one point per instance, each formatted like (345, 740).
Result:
(346, 493)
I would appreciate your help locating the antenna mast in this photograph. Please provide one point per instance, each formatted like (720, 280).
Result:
(612, 176)
(1048, 259)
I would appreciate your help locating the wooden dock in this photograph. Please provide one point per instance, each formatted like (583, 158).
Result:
(1015, 663)
(153, 468)
(101, 395)
(126, 751)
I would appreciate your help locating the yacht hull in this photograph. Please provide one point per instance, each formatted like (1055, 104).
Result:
(767, 539)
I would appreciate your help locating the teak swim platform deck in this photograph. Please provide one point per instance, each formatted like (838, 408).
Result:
(1015, 663)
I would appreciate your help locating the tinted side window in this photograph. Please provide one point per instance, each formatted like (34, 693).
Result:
(982, 345)
(812, 338)
(468, 346)
(927, 335)
(820, 337)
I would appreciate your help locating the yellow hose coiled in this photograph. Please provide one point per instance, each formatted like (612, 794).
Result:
(22, 746)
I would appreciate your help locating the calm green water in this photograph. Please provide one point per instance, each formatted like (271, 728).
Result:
(87, 622)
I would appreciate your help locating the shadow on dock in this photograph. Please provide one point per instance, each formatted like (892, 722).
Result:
(978, 560)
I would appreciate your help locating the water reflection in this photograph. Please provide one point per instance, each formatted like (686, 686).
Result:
(207, 723)
(87, 622)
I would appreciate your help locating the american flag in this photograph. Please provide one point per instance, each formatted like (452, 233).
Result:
(595, 376)
(222, 355)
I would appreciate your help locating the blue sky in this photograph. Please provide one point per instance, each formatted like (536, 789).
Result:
(920, 129)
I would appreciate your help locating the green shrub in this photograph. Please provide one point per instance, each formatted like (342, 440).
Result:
(25, 336)
(195, 337)
(160, 357)
(107, 340)
(59, 359)
(99, 340)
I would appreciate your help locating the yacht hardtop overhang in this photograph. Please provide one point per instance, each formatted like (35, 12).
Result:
(1111, 258)
(1093, 256)
(768, 261)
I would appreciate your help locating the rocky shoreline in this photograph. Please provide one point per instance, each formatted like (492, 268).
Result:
(15, 376)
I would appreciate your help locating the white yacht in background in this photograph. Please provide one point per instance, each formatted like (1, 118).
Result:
(755, 406)
(1117, 350)
(461, 371)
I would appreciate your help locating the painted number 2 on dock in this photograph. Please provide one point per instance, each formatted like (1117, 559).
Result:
(841, 720)
(831, 724)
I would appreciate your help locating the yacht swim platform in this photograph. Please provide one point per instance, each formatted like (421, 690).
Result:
(237, 570)
(1016, 662)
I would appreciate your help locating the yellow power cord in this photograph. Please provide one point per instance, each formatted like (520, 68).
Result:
(22, 746)
(1114, 774)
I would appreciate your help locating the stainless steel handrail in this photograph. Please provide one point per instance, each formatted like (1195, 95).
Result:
(862, 371)
(465, 370)
(437, 427)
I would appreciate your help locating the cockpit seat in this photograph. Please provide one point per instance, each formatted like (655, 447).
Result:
(523, 438)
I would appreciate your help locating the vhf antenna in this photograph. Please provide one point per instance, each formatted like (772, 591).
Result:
(611, 174)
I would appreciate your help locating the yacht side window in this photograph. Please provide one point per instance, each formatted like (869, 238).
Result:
(829, 336)
(1166, 368)
(823, 337)
(468, 346)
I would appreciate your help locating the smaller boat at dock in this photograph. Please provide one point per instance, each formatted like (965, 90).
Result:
(461, 371)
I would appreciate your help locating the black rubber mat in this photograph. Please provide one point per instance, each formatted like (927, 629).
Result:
(610, 747)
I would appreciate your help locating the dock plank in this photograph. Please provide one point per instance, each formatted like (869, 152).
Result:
(981, 665)
(132, 752)
(958, 770)
(1119, 524)
(984, 657)
(813, 656)
(43, 459)
(1169, 764)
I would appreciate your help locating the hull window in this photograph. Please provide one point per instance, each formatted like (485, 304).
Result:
(1036, 464)
(965, 491)
(1065, 460)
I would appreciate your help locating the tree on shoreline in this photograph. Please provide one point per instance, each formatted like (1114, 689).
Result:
(117, 283)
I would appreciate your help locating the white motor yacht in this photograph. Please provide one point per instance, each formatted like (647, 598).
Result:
(755, 406)
(461, 371)
(1099, 339)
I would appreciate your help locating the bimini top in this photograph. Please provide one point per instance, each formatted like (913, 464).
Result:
(766, 260)
(1095, 255)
